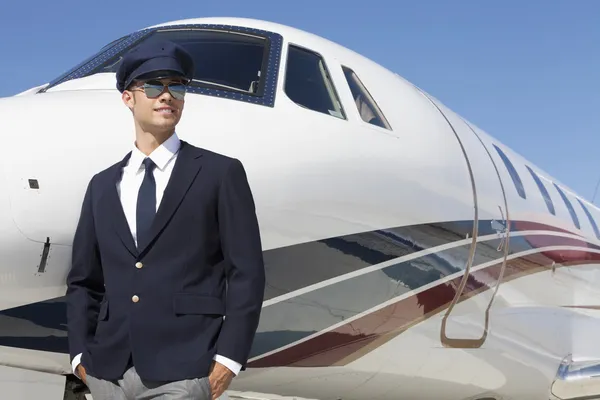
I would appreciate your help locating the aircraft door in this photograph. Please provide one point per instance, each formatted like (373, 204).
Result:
(466, 320)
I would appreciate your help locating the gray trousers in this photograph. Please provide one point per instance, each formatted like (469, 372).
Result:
(132, 387)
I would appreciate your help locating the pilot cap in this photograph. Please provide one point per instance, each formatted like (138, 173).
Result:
(154, 59)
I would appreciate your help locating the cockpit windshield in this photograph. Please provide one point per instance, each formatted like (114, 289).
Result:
(222, 59)
(236, 62)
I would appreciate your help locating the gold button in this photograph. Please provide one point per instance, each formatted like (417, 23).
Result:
(135, 299)
(139, 265)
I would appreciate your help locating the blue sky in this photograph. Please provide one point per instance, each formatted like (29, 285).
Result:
(525, 71)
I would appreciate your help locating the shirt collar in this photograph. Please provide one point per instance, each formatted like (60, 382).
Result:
(160, 156)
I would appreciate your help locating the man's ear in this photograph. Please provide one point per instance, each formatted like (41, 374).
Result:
(128, 99)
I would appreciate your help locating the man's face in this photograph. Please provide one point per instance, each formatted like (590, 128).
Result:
(154, 109)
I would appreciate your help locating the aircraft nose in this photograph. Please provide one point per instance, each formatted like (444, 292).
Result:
(53, 144)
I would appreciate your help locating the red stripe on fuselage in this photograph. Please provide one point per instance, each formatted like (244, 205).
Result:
(356, 338)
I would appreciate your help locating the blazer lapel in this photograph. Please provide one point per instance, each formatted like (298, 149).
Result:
(184, 172)
(118, 215)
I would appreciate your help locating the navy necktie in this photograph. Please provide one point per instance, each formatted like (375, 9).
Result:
(146, 203)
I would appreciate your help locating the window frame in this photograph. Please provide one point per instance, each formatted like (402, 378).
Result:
(378, 111)
(76, 70)
(568, 205)
(510, 167)
(590, 217)
(267, 89)
(543, 190)
(333, 89)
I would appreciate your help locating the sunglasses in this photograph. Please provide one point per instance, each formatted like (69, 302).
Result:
(155, 88)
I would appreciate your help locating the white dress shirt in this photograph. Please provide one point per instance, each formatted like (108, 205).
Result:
(133, 174)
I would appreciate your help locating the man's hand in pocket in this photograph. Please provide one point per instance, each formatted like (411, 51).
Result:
(81, 373)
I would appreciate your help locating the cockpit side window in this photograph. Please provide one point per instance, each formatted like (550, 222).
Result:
(230, 62)
(308, 83)
(366, 105)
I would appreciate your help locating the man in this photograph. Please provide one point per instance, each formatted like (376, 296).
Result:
(167, 278)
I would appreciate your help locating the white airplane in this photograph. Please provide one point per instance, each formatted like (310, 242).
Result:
(409, 254)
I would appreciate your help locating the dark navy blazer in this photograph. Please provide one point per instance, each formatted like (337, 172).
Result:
(203, 262)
